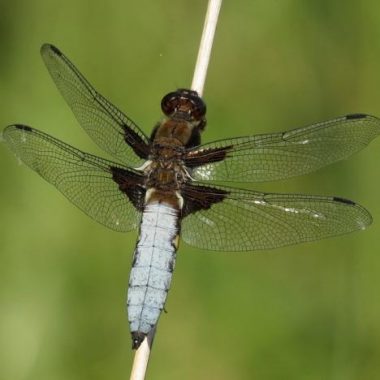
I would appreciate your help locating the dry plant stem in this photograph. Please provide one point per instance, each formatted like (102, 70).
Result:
(205, 46)
(142, 354)
(140, 361)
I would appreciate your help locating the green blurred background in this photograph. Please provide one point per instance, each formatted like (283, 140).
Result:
(306, 312)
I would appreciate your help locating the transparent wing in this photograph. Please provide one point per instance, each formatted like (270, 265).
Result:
(85, 180)
(243, 220)
(283, 155)
(105, 124)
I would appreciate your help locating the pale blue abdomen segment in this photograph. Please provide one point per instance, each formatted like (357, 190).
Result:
(152, 268)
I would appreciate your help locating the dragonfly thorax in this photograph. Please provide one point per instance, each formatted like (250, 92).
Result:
(165, 169)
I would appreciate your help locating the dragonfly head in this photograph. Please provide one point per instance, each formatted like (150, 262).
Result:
(186, 105)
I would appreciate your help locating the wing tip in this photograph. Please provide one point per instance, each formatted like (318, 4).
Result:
(23, 127)
(11, 127)
(353, 116)
(359, 116)
(368, 119)
(366, 217)
(46, 47)
(345, 201)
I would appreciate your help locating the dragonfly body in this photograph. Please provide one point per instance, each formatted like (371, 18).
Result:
(165, 173)
(165, 184)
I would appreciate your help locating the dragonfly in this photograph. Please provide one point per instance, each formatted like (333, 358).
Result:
(166, 184)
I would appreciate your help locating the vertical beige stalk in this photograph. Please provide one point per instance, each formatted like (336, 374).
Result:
(142, 354)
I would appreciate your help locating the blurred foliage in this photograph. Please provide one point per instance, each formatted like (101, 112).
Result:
(305, 312)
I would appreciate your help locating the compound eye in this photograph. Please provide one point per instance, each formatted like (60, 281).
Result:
(199, 109)
(169, 103)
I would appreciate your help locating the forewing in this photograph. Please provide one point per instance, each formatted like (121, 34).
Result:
(226, 219)
(90, 182)
(282, 155)
(105, 124)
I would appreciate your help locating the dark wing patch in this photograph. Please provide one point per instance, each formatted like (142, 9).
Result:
(198, 197)
(130, 183)
(91, 183)
(282, 155)
(136, 142)
(247, 220)
(111, 129)
(195, 158)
